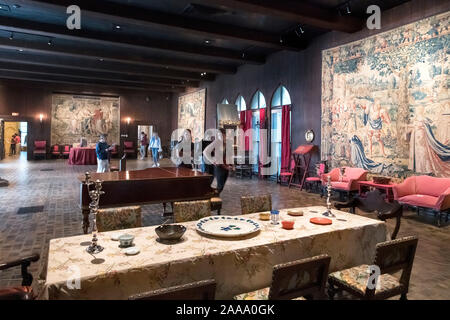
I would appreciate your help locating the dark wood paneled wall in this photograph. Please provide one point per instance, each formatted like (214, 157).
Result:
(301, 73)
(29, 100)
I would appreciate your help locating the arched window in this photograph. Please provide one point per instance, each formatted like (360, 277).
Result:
(240, 102)
(225, 101)
(280, 98)
(258, 102)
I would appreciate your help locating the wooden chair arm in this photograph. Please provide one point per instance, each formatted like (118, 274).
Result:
(25, 262)
(18, 262)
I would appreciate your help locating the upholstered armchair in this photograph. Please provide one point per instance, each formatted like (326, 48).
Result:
(40, 149)
(191, 210)
(425, 192)
(23, 292)
(348, 183)
(119, 218)
(253, 204)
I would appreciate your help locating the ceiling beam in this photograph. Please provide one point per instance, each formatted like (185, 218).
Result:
(115, 57)
(12, 56)
(16, 75)
(82, 74)
(293, 10)
(124, 13)
(124, 41)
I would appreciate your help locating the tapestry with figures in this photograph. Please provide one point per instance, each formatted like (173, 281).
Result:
(385, 101)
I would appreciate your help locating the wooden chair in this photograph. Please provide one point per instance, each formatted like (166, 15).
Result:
(119, 218)
(299, 279)
(200, 290)
(391, 256)
(253, 204)
(66, 150)
(191, 210)
(23, 292)
(129, 148)
(40, 149)
(56, 151)
(216, 204)
(375, 202)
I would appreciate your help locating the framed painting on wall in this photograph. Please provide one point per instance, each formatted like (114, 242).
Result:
(191, 113)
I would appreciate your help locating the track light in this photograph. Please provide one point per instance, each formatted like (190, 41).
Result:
(281, 39)
(348, 10)
(50, 42)
(301, 29)
(11, 36)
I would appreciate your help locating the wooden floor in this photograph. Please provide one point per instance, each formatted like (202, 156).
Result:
(58, 192)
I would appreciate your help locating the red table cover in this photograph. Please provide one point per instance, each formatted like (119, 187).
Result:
(82, 156)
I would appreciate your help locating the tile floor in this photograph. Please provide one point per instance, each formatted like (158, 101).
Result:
(58, 192)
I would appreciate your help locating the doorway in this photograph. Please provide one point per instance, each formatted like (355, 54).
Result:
(148, 130)
(14, 139)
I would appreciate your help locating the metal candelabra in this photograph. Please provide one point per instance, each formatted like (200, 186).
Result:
(328, 213)
(93, 207)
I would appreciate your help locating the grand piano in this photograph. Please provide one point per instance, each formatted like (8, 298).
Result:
(152, 185)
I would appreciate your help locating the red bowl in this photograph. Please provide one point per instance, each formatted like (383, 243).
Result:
(288, 225)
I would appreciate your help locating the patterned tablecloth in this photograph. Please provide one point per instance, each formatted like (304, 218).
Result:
(237, 265)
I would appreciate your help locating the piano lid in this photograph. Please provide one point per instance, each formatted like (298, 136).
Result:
(304, 149)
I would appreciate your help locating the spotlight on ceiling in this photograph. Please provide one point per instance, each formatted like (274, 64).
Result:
(50, 42)
(208, 42)
(347, 9)
(16, 6)
(11, 36)
(118, 27)
(203, 74)
(101, 59)
(20, 50)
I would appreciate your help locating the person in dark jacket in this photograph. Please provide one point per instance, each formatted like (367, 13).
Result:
(102, 150)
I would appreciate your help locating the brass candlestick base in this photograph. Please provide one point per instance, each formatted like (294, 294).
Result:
(93, 206)
(328, 213)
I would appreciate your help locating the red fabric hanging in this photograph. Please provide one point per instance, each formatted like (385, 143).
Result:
(242, 126)
(248, 125)
(262, 137)
(285, 138)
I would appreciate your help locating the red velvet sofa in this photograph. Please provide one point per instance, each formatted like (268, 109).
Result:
(425, 192)
(349, 181)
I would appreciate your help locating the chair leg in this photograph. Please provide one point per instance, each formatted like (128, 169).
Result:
(218, 212)
(403, 296)
(331, 290)
(438, 217)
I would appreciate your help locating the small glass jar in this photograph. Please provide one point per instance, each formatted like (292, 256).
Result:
(274, 216)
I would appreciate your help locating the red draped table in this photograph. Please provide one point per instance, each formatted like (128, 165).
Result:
(82, 156)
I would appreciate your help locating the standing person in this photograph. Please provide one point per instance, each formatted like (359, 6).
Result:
(221, 170)
(102, 150)
(155, 148)
(17, 143)
(144, 144)
(12, 148)
(186, 138)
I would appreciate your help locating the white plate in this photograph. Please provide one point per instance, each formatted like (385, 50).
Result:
(131, 251)
(227, 226)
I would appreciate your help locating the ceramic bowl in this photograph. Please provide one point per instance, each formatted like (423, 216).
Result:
(170, 231)
(287, 224)
(264, 216)
(126, 240)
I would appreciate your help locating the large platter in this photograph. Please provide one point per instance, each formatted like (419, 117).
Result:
(227, 226)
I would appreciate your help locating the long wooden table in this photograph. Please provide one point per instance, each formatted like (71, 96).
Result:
(238, 265)
(152, 185)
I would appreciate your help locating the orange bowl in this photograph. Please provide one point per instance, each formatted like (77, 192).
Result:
(288, 225)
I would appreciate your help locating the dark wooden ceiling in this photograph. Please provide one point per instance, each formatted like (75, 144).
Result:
(161, 45)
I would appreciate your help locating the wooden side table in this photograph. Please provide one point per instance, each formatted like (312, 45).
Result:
(386, 189)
